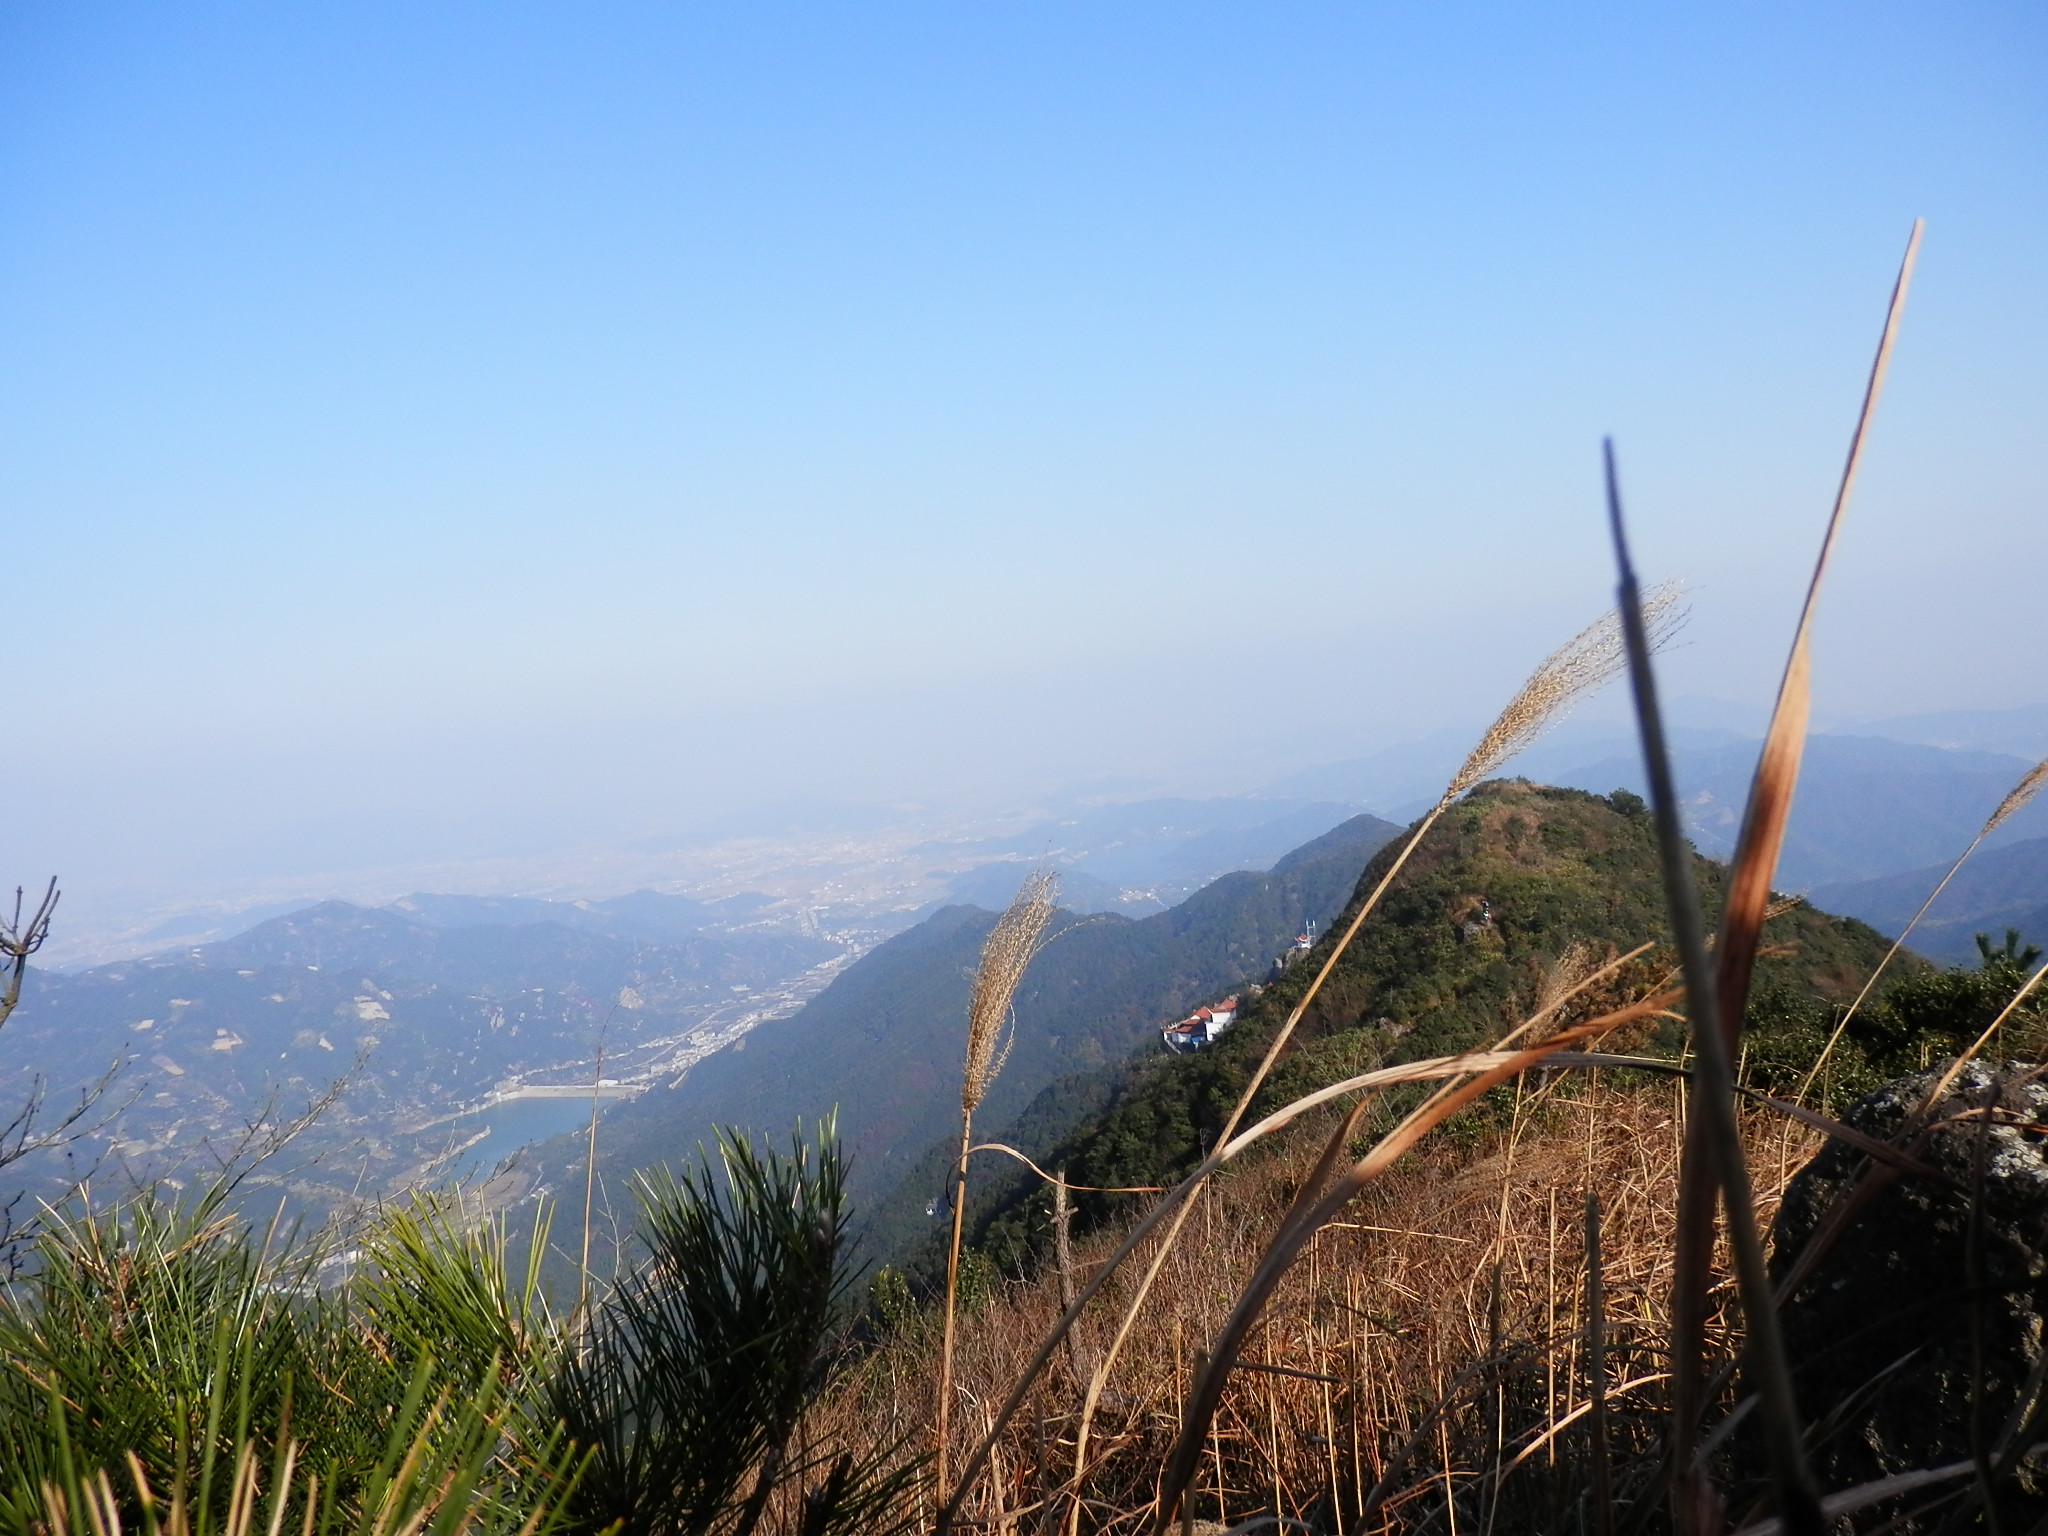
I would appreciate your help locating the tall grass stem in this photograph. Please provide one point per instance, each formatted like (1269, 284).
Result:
(1713, 1138)
(1018, 935)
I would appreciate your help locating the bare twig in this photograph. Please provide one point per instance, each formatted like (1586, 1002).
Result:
(19, 939)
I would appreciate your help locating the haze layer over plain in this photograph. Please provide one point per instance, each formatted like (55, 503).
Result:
(494, 430)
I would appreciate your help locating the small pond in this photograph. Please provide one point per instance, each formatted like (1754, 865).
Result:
(511, 1125)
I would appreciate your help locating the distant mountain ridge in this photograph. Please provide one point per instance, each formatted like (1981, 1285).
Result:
(883, 1043)
(423, 1021)
(648, 915)
(1552, 870)
(1866, 807)
(492, 958)
(1999, 888)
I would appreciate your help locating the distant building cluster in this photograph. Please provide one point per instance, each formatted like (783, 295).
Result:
(1200, 1027)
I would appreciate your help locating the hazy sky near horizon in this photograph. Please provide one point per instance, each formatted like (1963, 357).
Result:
(597, 416)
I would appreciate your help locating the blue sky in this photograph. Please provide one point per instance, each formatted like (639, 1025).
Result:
(595, 416)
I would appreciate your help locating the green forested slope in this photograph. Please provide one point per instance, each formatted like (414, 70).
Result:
(1432, 973)
(882, 1045)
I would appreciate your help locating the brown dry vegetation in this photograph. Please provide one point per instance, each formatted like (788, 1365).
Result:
(1458, 1280)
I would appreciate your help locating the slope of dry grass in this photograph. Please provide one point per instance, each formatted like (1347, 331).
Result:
(1423, 1366)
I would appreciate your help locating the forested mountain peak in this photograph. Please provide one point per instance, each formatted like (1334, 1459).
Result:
(1513, 887)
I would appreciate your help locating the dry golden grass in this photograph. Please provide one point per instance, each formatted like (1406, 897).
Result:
(1456, 1281)
(1586, 662)
(1006, 954)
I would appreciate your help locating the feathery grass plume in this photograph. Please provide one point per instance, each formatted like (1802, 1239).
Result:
(1565, 975)
(1591, 658)
(1017, 936)
(1007, 953)
(2015, 800)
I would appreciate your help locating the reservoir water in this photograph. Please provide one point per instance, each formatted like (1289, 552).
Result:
(514, 1124)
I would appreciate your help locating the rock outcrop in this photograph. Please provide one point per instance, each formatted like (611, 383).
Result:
(1918, 1339)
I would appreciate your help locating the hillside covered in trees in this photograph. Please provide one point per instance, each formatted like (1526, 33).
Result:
(1517, 888)
(882, 1045)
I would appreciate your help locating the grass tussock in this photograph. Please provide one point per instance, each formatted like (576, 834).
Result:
(1424, 1365)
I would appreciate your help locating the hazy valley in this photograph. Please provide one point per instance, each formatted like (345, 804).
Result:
(452, 1031)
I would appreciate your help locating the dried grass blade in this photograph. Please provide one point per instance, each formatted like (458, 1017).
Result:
(1777, 769)
(1135, 1307)
(1287, 1244)
(1741, 926)
(1006, 954)
(1431, 1070)
(1857, 1196)
(1850, 1500)
(1596, 1371)
(1713, 1146)
(1955, 1067)
(1059, 1181)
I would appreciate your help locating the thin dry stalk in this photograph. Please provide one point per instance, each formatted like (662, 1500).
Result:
(1020, 1381)
(1596, 1370)
(1713, 1147)
(1955, 1067)
(1063, 1265)
(1735, 947)
(1006, 954)
(1179, 1200)
(1888, 1162)
(589, 1185)
(2016, 799)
